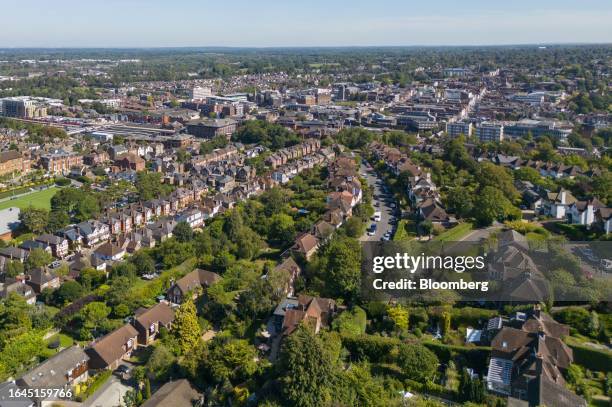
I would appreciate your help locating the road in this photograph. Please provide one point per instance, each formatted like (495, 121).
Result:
(383, 200)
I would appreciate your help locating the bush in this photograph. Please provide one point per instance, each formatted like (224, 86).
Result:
(591, 358)
(62, 182)
(477, 356)
(97, 382)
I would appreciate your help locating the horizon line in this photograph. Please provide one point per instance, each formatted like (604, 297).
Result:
(301, 46)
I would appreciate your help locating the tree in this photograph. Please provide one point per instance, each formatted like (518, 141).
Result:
(183, 232)
(172, 252)
(282, 228)
(233, 359)
(351, 322)
(38, 258)
(143, 262)
(446, 323)
(498, 177)
(68, 292)
(35, 220)
(492, 205)
(417, 362)
(13, 268)
(57, 220)
(186, 327)
(93, 314)
(354, 227)
(160, 362)
(340, 260)
(461, 201)
(309, 369)
(399, 315)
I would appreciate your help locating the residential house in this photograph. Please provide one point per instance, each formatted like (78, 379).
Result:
(110, 350)
(59, 246)
(583, 212)
(557, 204)
(41, 278)
(177, 393)
(110, 251)
(11, 285)
(63, 370)
(315, 311)
(148, 322)
(191, 283)
(527, 363)
(306, 244)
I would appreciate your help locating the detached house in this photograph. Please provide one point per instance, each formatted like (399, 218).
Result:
(148, 322)
(311, 310)
(40, 278)
(191, 283)
(306, 244)
(527, 363)
(61, 371)
(111, 349)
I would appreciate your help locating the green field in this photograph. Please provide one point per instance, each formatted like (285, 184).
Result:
(40, 199)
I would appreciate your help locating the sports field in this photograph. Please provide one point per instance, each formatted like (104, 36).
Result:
(40, 199)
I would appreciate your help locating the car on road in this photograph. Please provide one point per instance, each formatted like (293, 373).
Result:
(377, 216)
(372, 230)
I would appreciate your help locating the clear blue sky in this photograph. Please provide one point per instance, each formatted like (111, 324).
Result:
(265, 23)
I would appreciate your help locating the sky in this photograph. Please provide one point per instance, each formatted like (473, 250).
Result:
(293, 23)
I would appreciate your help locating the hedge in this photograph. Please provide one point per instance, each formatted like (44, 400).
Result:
(591, 358)
(477, 356)
(97, 382)
(432, 389)
(369, 347)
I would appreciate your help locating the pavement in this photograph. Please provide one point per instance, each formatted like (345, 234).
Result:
(109, 395)
(383, 199)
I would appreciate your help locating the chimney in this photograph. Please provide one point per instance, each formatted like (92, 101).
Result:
(563, 196)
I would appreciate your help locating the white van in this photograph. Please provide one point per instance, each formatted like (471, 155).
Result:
(377, 216)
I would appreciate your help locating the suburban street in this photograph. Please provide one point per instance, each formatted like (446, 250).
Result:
(383, 200)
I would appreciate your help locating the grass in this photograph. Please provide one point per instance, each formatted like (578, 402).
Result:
(40, 199)
(455, 234)
(64, 340)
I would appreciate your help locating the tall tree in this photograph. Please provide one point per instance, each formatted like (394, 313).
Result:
(309, 369)
(186, 327)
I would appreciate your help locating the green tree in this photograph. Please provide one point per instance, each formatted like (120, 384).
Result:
(68, 292)
(492, 205)
(309, 369)
(186, 327)
(13, 268)
(183, 232)
(461, 201)
(94, 314)
(35, 220)
(341, 262)
(38, 258)
(417, 362)
(399, 315)
(282, 228)
(144, 263)
(160, 362)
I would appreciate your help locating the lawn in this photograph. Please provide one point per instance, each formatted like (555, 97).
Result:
(454, 234)
(40, 199)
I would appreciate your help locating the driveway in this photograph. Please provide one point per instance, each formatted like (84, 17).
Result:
(109, 395)
(381, 202)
